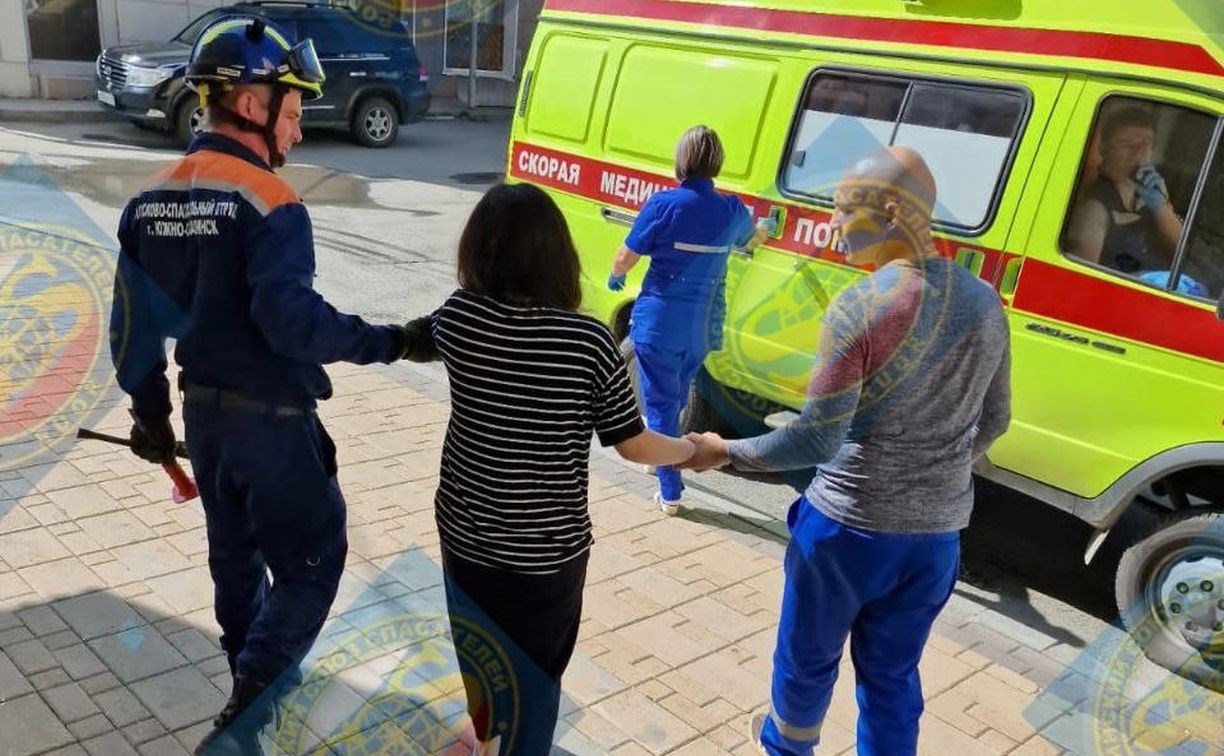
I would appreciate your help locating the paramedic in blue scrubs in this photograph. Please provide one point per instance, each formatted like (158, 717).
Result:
(677, 320)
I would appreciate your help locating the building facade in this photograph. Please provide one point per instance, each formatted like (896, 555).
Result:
(48, 47)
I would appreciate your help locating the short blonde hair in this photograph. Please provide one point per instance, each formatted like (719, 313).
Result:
(699, 154)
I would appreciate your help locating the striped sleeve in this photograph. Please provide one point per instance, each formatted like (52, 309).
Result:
(617, 417)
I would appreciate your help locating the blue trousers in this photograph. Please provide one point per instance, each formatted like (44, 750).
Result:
(665, 377)
(271, 504)
(883, 590)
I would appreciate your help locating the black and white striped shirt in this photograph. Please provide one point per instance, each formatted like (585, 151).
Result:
(528, 387)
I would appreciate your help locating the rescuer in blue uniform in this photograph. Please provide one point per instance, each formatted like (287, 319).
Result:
(217, 253)
(677, 320)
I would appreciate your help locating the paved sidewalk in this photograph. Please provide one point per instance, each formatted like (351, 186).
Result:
(108, 646)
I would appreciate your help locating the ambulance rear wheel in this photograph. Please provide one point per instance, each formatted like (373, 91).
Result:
(1170, 593)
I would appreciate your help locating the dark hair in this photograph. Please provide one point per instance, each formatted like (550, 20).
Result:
(516, 248)
(699, 154)
(1129, 117)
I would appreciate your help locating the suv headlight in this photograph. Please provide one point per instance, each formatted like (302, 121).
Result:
(148, 77)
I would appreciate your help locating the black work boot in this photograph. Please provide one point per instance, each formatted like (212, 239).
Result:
(236, 729)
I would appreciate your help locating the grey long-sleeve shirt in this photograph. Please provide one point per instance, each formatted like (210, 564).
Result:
(910, 386)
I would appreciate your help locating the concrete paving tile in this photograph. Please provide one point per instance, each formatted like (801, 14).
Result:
(136, 653)
(180, 698)
(12, 586)
(185, 591)
(62, 639)
(194, 645)
(78, 661)
(938, 738)
(150, 558)
(41, 620)
(29, 726)
(90, 727)
(13, 683)
(49, 679)
(73, 750)
(110, 744)
(143, 732)
(586, 681)
(62, 578)
(97, 614)
(121, 707)
(69, 702)
(27, 547)
(165, 746)
(80, 500)
(31, 657)
(116, 528)
(647, 724)
(99, 683)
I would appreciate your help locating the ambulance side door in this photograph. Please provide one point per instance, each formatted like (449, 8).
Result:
(1117, 355)
(977, 127)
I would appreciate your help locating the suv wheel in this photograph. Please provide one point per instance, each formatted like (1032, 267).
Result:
(375, 122)
(1170, 593)
(188, 121)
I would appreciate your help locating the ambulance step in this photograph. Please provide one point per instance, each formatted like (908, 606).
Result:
(781, 419)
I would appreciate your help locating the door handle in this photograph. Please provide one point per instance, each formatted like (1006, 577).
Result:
(1010, 277)
(620, 217)
(970, 259)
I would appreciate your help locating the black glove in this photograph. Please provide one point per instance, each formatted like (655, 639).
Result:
(417, 340)
(153, 440)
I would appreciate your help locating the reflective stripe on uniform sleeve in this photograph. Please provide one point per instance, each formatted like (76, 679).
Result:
(702, 248)
(794, 732)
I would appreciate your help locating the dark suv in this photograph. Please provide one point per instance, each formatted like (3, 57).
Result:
(374, 83)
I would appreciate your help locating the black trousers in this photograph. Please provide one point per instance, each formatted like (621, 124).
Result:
(514, 636)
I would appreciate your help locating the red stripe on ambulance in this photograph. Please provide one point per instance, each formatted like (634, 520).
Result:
(1121, 48)
(1069, 296)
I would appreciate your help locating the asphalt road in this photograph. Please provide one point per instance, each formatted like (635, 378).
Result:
(386, 225)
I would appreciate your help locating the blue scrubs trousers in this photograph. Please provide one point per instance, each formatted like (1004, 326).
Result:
(665, 377)
(272, 504)
(883, 590)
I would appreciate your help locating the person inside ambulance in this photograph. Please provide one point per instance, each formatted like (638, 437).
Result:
(1124, 219)
(216, 251)
(687, 233)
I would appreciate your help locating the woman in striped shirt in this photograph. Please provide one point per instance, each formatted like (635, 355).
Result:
(531, 379)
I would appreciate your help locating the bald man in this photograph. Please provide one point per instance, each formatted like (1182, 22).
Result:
(910, 386)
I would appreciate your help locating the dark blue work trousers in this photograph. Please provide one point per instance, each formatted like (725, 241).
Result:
(883, 591)
(272, 505)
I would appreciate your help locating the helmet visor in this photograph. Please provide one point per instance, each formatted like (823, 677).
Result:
(304, 62)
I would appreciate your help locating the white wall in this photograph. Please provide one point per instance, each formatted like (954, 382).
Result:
(15, 80)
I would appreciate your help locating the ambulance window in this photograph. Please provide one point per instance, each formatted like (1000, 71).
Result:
(964, 133)
(844, 118)
(1201, 273)
(566, 81)
(1138, 177)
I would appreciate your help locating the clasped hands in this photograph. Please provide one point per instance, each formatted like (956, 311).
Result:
(710, 452)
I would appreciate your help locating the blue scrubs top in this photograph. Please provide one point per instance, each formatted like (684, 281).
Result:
(687, 233)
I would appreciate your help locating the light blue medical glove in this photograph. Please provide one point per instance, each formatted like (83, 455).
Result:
(1151, 189)
(615, 282)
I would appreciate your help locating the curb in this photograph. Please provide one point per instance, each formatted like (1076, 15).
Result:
(55, 115)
